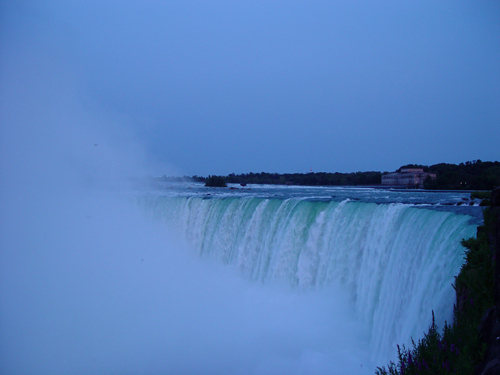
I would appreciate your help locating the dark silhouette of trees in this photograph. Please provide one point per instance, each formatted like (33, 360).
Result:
(471, 175)
(215, 181)
(307, 179)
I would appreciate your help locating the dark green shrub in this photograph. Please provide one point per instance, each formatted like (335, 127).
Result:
(215, 181)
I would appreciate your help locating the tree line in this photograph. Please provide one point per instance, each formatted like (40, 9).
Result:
(307, 179)
(471, 175)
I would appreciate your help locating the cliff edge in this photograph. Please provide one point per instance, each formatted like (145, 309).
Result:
(489, 328)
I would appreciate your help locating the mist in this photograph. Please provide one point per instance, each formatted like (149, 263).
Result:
(88, 284)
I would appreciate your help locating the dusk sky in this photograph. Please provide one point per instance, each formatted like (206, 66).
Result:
(216, 87)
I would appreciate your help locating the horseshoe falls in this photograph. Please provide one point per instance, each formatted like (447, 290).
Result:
(392, 264)
(271, 280)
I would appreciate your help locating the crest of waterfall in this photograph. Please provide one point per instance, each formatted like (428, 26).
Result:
(396, 261)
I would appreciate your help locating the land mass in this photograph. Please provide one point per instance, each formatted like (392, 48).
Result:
(471, 175)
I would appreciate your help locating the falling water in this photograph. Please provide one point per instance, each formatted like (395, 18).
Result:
(397, 262)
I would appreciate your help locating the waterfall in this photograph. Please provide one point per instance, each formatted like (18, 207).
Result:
(397, 262)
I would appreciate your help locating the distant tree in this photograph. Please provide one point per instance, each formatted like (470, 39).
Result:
(215, 181)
